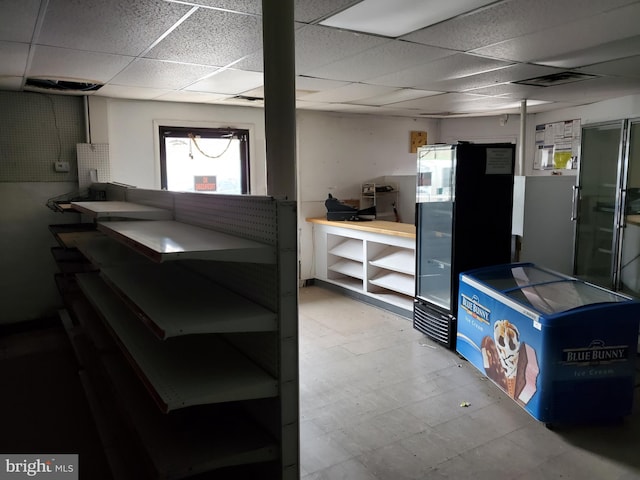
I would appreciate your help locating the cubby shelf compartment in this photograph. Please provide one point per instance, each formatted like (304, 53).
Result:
(179, 372)
(122, 210)
(163, 240)
(397, 282)
(348, 267)
(397, 259)
(349, 248)
(172, 301)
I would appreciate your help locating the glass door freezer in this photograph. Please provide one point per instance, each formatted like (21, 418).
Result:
(563, 349)
(463, 221)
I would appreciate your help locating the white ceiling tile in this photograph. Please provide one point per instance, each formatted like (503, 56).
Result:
(348, 93)
(231, 82)
(158, 74)
(191, 97)
(22, 16)
(211, 37)
(589, 91)
(628, 67)
(309, 10)
(253, 62)
(10, 83)
(511, 90)
(395, 97)
(13, 58)
(437, 103)
(312, 84)
(510, 73)
(53, 62)
(110, 27)
(118, 91)
(317, 46)
(599, 53)
(245, 6)
(456, 66)
(508, 19)
(389, 57)
(571, 36)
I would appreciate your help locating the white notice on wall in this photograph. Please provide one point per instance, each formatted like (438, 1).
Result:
(499, 161)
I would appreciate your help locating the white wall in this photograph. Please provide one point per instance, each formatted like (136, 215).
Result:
(27, 286)
(338, 152)
(134, 144)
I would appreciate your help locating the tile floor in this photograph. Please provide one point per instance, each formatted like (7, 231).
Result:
(380, 401)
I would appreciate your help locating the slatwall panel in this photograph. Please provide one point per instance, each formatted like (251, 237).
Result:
(245, 216)
(37, 130)
(93, 164)
(152, 198)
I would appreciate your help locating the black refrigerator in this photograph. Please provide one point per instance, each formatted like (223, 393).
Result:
(464, 203)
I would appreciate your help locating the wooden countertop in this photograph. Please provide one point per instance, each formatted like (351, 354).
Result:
(396, 229)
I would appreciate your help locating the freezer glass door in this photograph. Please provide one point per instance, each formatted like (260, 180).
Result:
(435, 196)
(595, 245)
(629, 277)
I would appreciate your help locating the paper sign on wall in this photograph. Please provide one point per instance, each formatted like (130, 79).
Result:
(557, 145)
(499, 161)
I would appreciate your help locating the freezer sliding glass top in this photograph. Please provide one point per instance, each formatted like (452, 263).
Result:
(544, 291)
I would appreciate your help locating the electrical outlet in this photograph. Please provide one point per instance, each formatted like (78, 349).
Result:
(61, 166)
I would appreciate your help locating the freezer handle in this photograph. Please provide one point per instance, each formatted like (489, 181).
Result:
(623, 208)
(575, 198)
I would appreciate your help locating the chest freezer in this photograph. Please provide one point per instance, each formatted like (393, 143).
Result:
(563, 349)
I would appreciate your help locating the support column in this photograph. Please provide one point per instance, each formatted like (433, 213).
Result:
(523, 137)
(279, 97)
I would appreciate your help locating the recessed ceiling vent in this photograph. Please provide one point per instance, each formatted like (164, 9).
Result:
(556, 79)
(69, 87)
(245, 98)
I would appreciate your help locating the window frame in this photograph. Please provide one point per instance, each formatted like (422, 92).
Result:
(242, 134)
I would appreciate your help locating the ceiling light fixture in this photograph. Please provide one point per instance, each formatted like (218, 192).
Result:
(397, 18)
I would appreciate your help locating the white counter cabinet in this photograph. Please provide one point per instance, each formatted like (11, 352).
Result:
(375, 260)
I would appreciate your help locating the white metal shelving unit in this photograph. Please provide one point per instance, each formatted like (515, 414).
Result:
(202, 311)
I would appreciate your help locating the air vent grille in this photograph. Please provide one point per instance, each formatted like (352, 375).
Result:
(560, 78)
(61, 86)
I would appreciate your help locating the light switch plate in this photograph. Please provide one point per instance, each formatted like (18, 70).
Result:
(61, 166)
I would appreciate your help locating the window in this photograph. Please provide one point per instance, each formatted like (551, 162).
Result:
(207, 160)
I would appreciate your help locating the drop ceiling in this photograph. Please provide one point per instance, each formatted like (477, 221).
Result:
(476, 62)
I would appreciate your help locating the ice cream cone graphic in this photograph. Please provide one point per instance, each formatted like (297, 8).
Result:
(507, 339)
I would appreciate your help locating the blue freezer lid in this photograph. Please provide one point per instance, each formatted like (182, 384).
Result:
(542, 290)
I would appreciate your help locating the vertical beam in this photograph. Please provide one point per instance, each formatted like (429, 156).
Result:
(523, 137)
(279, 97)
(278, 41)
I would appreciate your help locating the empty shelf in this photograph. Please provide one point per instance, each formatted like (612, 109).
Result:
(184, 371)
(104, 251)
(170, 240)
(173, 301)
(121, 209)
(397, 282)
(397, 259)
(351, 249)
(190, 441)
(348, 267)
